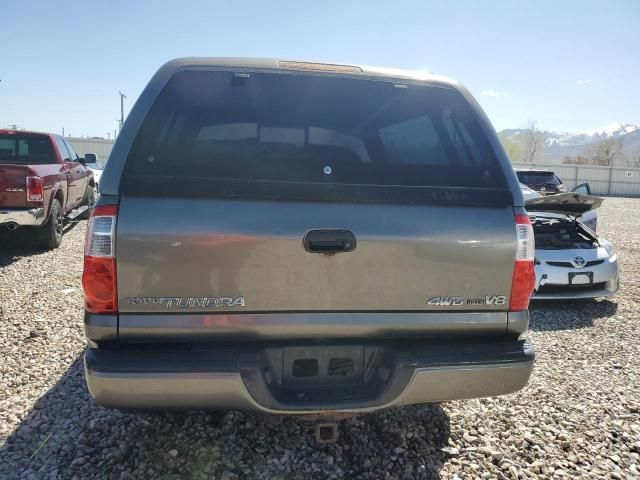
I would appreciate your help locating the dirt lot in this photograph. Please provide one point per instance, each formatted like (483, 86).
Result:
(579, 417)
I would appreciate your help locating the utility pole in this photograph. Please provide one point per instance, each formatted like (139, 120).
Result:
(122, 97)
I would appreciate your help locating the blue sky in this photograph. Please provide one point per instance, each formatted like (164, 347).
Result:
(570, 65)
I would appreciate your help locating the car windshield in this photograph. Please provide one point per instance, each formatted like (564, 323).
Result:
(27, 149)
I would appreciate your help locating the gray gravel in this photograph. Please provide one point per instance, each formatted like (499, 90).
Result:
(579, 417)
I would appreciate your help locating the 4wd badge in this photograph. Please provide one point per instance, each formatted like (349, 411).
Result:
(457, 301)
(446, 301)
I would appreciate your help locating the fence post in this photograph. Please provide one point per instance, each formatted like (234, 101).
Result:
(610, 178)
(577, 175)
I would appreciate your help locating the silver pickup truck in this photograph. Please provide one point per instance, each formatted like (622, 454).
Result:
(295, 238)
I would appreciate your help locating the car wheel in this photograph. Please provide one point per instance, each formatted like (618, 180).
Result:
(50, 234)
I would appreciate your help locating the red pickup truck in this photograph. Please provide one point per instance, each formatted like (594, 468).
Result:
(43, 183)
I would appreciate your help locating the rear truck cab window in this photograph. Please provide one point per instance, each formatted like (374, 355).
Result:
(305, 238)
(26, 149)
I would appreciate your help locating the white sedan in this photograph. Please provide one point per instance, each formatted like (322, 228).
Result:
(571, 260)
(95, 165)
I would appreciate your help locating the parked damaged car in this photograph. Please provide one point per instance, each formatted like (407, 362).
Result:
(590, 218)
(545, 182)
(571, 260)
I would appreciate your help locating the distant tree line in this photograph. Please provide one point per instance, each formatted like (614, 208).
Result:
(528, 145)
(604, 152)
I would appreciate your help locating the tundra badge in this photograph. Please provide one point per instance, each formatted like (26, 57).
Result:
(188, 302)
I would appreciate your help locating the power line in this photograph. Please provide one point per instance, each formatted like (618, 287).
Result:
(122, 97)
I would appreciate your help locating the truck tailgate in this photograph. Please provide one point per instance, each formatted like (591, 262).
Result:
(13, 186)
(220, 255)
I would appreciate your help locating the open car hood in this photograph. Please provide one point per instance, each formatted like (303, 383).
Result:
(568, 203)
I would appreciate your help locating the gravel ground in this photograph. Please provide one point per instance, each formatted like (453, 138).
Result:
(579, 417)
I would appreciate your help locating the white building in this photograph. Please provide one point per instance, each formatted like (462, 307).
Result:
(100, 146)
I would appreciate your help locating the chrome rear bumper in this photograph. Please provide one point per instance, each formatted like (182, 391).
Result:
(22, 217)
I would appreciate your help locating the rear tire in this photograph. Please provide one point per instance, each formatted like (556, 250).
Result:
(89, 201)
(50, 234)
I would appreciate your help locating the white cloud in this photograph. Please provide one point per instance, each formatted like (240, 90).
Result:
(495, 93)
(586, 81)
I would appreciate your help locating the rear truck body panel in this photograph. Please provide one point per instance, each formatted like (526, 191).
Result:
(405, 255)
(265, 326)
(54, 182)
(13, 192)
(185, 328)
(291, 253)
(13, 186)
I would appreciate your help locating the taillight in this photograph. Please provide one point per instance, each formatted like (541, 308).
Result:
(524, 275)
(34, 189)
(99, 275)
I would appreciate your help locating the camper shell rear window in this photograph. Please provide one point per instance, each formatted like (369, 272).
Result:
(289, 135)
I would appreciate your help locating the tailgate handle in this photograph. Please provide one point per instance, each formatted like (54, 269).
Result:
(329, 241)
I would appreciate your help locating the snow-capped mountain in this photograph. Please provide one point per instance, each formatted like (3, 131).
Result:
(558, 145)
(580, 138)
(614, 130)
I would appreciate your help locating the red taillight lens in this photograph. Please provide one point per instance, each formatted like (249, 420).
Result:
(99, 283)
(99, 275)
(524, 275)
(34, 189)
(524, 278)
